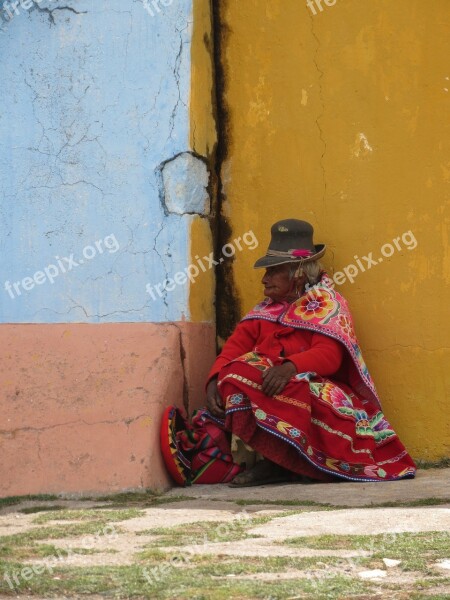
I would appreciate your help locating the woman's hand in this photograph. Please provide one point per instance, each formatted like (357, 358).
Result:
(213, 399)
(276, 378)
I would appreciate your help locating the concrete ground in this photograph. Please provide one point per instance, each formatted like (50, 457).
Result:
(368, 540)
(429, 483)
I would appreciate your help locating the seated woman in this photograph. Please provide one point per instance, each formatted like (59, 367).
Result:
(291, 381)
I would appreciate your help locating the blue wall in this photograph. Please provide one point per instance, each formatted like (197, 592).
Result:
(91, 105)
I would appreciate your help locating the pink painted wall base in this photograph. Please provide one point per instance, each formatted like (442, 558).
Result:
(81, 404)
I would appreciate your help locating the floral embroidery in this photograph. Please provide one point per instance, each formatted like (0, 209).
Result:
(261, 363)
(376, 426)
(284, 427)
(407, 471)
(335, 396)
(315, 388)
(357, 423)
(320, 305)
(380, 428)
(346, 325)
(236, 398)
(362, 423)
(324, 310)
(260, 414)
(361, 363)
(332, 464)
(307, 376)
(374, 471)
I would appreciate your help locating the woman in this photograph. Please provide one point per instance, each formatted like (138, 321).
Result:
(291, 381)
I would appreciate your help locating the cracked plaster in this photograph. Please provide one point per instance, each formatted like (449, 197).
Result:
(185, 181)
(86, 121)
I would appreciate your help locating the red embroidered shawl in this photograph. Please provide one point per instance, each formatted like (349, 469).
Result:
(325, 311)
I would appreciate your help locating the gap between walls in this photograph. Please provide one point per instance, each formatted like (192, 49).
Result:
(227, 300)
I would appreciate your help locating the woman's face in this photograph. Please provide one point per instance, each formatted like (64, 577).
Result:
(278, 284)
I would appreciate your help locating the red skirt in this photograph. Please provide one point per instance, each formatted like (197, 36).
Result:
(316, 427)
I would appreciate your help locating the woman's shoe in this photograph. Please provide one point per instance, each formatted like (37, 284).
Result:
(263, 473)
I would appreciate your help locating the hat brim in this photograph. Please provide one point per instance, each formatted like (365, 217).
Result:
(273, 261)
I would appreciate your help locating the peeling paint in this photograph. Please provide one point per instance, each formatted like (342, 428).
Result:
(362, 146)
(185, 181)
(304, 100)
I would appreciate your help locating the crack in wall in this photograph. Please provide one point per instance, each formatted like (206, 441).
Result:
(176, 73)
(125, 421)
(183, 356)
(49, 12)
(62, 157)
(184, 190)
(155, 249)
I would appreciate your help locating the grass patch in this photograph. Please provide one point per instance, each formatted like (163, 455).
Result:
(297, 503)
(37, 551)
(141, 499)
(440, 587)
(36, 509)
(199, 532)
(251, 565)
(327, 506)
(411, 504)
(153, 554)
(57, 532)
(438, 596)
(92, 514)
(19, 553)
(415, 550)
(443, 463)
(424, 584)
(12, 500)
(27, 546)
(202, 532)
(180, 584)
(129, 498)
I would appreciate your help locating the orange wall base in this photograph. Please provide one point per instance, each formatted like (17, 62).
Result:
(81, 404)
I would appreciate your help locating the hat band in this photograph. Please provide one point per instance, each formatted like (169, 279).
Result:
(299, 253)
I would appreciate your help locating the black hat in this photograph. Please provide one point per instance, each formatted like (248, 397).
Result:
(292, 241)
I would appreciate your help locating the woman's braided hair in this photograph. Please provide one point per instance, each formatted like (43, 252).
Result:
(311, 269)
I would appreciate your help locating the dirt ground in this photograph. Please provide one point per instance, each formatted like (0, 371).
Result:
(340, 540)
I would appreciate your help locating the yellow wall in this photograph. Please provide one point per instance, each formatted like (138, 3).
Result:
(342, 119)
(203, 141)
